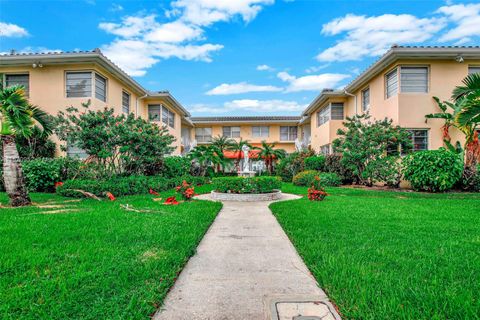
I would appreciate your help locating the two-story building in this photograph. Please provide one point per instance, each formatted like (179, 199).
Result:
(399, 86)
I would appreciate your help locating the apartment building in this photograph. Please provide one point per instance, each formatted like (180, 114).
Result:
(399, 86)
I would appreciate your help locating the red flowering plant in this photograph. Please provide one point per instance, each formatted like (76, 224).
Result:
(316, 192)
(186, 190)
(171, 201)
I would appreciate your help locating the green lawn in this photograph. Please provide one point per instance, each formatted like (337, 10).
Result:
(96, 261)
(390, 255)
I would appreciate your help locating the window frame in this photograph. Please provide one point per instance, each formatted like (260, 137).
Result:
(289, 133)
(92, 83)
(473, 67)
(387, 96)
(322, 149)
(400, 86)
(427, 136)
(170, 121)
(261, 135)
(365, 108)
(124, 92)
(159, 112)
(99, 75)
(27, 88)
(231, 135)
(325, 114)
(203, 135)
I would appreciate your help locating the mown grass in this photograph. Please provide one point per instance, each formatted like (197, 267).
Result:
(97, 261)
(390, 255)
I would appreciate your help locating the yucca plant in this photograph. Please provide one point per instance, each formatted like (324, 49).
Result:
(17, 118)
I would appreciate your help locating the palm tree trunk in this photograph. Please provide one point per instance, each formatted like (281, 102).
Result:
(12, 173)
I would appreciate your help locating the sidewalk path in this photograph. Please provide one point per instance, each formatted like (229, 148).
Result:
(245, 268)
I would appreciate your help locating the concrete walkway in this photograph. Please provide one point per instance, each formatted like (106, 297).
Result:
(247, 269)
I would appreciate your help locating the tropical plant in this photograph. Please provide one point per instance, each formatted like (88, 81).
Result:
(270, 154)
(205, 157)
(236, 147)
(223, 144)
(364, 143)
(17, 118)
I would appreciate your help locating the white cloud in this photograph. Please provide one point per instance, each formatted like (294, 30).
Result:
(241, 87)
(10, 30)
(466, 19)
(115, 7)
(142, 41)
(250, 105)
(264, 67)
(312, 82)
(372, 36)
(317, 68)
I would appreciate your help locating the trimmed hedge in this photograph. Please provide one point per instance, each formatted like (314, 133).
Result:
(432, 170)
(246, 185)
(175, 166)
(315, 163)
(327, 179)
(122, 186)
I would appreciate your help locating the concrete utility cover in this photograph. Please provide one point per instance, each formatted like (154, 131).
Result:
(305, 310)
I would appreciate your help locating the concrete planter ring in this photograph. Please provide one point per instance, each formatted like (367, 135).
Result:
(248, 197)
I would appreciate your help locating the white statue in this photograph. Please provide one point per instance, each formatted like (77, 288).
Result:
(246, 158)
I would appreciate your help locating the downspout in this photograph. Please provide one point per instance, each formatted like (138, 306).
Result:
(136, 103)
(354, 99)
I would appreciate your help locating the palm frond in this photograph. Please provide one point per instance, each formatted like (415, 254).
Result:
(43, 120)
(471, 86)
(469, 115)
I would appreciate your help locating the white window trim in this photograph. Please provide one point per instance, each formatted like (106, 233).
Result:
(203, 135)
(329, 107)
(231, 136)
(261, 135)
(369, 98)
(399, 76)
(385, 83)
(288, 133)
(168, 111)
(94, 92)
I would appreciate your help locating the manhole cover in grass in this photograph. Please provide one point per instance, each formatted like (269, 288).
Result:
(303, 310)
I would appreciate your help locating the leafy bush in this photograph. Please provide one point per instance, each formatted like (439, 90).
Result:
(292, 164)
(175, 166)
(316, 192)
(333, 164)
(121, 186)
(41, 174)
(315, 163)
(432, 170)
(384, 169)
(246, 185)
(309, 177)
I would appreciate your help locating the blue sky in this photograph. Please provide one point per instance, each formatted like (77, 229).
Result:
(238, 57)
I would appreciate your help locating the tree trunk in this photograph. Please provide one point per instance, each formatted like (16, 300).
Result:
(13, 175)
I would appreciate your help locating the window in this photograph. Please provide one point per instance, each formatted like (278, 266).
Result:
(323, 116)
(75, 152)
(419, 139)
(260, 132)
(79, 84)
(325, 149)
(231, 132)
(203, 134)
(288, 133)
(168, 117)
(154, 112)
(125, 102)
(18, 79)
(100, 87)
(336, 112)
(473, 69)
(366, 99)
(414, 79)
(391, 83)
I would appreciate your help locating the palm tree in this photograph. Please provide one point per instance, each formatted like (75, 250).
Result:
(269, 154)
(445, 115)
(222, 143)
(236, 147)
(17, 118)
(471, 87)
(206, 156)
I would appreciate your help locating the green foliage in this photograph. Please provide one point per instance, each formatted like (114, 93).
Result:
(363, 142)
(246, 185)
(384, 169)
(315, 163)
(37, 145)
(292, 164)
(122, 186)
(270, 155)
(122, 144)
(175, 166)
(433, 170)
(311, 177)
(205, 158)
(333, 164)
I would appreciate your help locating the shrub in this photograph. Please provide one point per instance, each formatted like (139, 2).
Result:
(433, 170)
(186, 190)
(41, 174)
(309, 177)
(246, 185)
(333, 164)
(384, 169)
(315, 163)
(305, 178)
(121, 186)
(292, 164)
(316, 192)
(175, 166)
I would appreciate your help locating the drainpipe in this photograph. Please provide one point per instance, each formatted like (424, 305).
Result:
(136, 103)
(354, 100)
